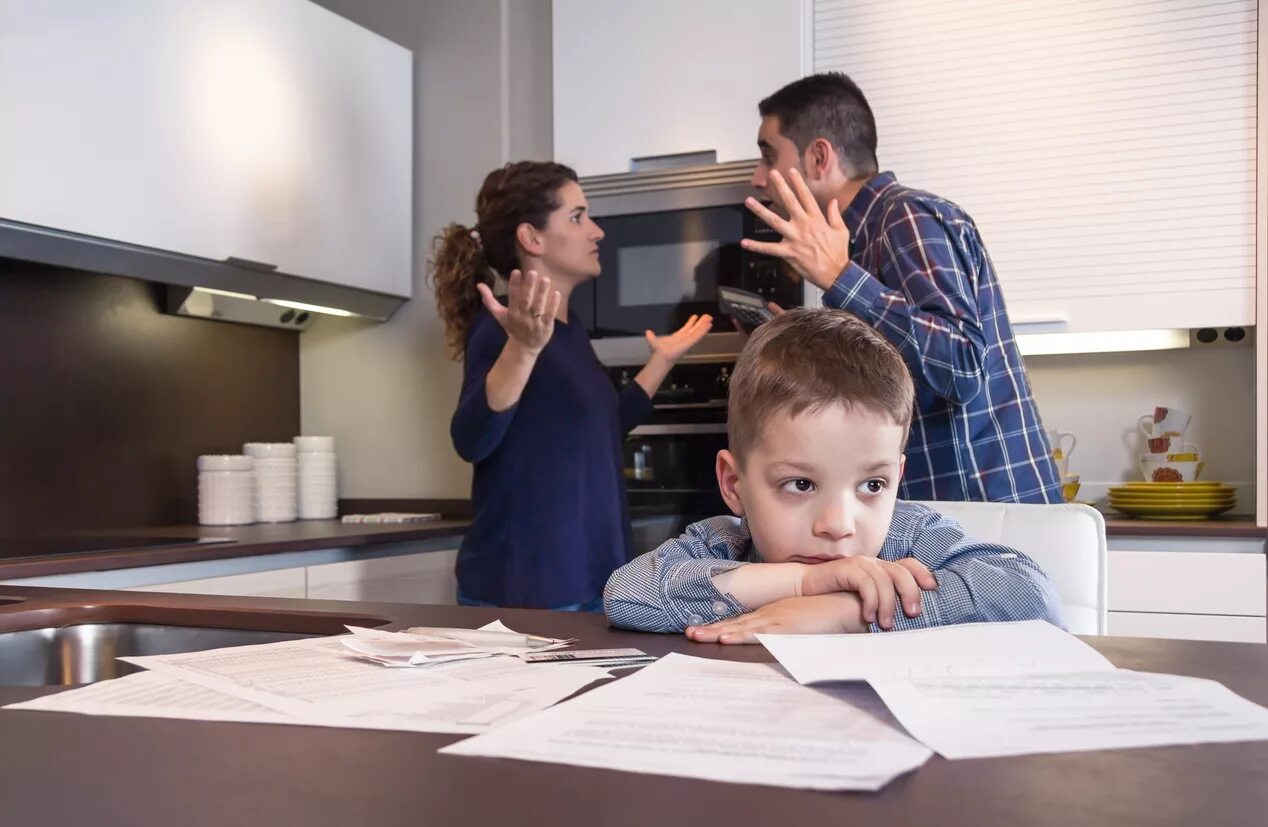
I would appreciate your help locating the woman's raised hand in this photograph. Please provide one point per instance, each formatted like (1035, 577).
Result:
(529, 315)
(672, 346)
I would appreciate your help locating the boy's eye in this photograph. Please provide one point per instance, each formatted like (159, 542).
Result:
(800, 485)
(874, 486)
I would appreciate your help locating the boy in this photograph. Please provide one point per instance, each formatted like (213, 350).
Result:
(819, 409)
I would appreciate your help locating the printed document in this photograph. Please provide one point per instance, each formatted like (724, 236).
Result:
(1030, 647)
(719, 721)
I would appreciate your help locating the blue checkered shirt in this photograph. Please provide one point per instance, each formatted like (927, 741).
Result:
(671, 588)
(920, 274)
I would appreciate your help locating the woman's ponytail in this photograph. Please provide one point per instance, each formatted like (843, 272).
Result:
(457, 266)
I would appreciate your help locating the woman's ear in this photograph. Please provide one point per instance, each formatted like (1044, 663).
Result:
(529, 240)
(728, 470)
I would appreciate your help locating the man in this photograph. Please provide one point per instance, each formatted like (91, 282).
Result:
(914, 266)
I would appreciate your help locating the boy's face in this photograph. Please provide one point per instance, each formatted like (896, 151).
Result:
(818, 486)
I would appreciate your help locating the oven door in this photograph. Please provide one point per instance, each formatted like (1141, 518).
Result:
(659, 268)
(670, 468)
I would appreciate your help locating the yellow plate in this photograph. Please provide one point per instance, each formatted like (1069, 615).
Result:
(1176, 503)
(1162, 486)
(1176, 512)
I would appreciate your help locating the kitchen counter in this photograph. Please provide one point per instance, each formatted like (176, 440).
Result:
(249, 541)
(69, 769)
(1225, 526)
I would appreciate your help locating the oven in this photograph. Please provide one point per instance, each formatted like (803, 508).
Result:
(672, 237)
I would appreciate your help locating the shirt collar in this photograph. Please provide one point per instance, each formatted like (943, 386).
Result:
(861, 207)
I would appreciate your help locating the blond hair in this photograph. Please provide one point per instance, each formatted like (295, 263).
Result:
(807, 360)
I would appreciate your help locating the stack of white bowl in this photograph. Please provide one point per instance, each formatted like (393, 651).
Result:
(226, 489)
(275, 480)
(318, 475)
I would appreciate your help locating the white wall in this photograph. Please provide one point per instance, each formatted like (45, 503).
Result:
(482, 96)
(1099, 397)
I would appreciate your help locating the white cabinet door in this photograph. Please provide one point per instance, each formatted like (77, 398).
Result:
(410, 578)
(660, 77)
(1188, 583)
(272, 131)
(279, 583)
(1188, 627)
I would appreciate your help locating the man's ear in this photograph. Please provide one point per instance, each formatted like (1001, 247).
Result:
(529, 239)
(728, 470)
(819, 159)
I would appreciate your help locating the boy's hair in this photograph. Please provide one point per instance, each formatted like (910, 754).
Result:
(831, 106)
(808, 359)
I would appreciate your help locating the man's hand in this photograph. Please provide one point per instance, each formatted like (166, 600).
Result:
(876, 582)
(825, 614)
(817, 247)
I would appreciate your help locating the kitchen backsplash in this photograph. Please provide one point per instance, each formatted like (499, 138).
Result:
(108, 401)
(1099, 397)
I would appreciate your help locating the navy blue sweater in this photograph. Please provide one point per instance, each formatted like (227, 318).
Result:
(551, 521)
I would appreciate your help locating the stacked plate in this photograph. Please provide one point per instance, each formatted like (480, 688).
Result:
(1173, 500)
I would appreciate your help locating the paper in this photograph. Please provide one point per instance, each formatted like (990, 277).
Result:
(1030, 647)
(984, 717)
(316, 680)
(719, 721)
(157, 695)
(424, 647)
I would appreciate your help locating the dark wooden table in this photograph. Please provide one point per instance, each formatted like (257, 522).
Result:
(70, 769)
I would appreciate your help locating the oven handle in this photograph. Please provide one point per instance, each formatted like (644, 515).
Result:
(667, 430)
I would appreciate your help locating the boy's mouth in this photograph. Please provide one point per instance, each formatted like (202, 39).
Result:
(813, 561)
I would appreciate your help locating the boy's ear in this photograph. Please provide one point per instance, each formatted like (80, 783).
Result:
(902, 466)
(728, 470)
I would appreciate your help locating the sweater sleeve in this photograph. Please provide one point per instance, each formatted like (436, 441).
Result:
(476, 429)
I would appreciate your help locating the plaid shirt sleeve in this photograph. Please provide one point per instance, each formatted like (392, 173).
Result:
(933, 320)
(977, 582)
(671, 588)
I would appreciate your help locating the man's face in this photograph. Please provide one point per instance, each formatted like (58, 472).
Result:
(777, 152)
(818, 486)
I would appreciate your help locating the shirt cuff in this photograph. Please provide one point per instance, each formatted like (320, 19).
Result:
(691, 596)
(855, 290)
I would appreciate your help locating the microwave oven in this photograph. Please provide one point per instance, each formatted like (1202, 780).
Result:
(671, 238)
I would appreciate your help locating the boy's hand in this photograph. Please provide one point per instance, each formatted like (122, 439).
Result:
(825, 614)
(876, 582)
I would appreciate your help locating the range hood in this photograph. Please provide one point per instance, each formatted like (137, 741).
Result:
(235, 290)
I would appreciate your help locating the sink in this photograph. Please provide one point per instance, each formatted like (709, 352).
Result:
(83, 643)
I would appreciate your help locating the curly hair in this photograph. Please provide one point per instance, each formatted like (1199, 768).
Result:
(462, 257)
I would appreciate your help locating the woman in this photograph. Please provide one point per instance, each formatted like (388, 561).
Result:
(538, 415)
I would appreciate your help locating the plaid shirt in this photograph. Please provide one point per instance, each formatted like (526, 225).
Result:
(671, 588)
(920, 274)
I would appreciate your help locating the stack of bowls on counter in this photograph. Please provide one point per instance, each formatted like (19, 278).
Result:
(1171, 467)
(275, 487)
(226, 489)
(318, 492)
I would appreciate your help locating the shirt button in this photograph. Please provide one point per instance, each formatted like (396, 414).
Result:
(695, 620)
(719, 608)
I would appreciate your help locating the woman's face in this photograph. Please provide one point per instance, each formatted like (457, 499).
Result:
(570, 241)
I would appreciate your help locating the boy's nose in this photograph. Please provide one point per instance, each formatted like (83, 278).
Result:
(835, 522)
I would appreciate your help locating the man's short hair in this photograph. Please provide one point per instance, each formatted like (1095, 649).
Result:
(810, 359)
(829, 106)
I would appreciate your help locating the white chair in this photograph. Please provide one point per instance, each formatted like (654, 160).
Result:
(1067, 541)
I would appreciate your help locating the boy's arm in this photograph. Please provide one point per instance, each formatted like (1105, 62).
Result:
(977, 582)
(677, 585)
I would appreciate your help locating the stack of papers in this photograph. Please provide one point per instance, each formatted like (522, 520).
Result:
(994, 689)
(420, 647)
(320, 682)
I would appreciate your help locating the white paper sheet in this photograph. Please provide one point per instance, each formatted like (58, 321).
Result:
(983, 717)
(720, 721)
(1031, 647)
(317, 680)
(158, 695)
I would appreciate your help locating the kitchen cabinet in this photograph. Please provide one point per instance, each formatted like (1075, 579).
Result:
(289, 582)
(278, 133)
(663, 77)
(409, 578)
(1155, 589)
(1114, 184)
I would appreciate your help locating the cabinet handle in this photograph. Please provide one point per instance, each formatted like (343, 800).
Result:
(250, 264)
(673, 160)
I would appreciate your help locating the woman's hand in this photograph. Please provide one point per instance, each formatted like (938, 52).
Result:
(529, 315)
(672, 346)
